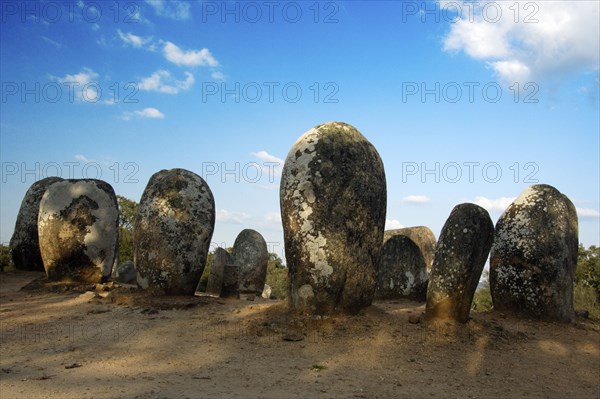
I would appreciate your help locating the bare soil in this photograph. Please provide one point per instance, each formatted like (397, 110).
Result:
(111, 341)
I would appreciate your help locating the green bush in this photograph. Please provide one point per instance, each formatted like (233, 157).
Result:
(587, 273)
(482, 300)
(206, 273)
(6, 264)
(277, 277)
(586, 298)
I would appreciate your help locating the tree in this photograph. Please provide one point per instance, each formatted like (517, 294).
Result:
(277, 276)
(5, 259)
(587, 273)
(127, 211)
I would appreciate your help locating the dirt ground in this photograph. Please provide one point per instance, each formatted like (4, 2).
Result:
(63, 341)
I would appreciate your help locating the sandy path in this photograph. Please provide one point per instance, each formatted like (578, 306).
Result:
(75, 344)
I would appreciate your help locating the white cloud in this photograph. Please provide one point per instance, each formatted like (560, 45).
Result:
(217, 75)
(84, 86)
(392, 224)
(271, 164)
(151, 113)
(85, 76)
(82, 158)
(189, 58)
(173, 9)
(52, 42)
(416, 199)
(587, 213)
(271, 220)
(134, 40)
(224, 216)
(494, 205)
(163, 82)
(527, 40)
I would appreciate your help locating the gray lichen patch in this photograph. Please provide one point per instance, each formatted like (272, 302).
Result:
(173, 228)
(534, 255)
(333, 203)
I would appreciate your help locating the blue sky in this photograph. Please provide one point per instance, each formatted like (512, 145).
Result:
(463, 103)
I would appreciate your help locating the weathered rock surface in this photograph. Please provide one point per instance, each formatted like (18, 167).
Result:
(460, 256)
(24, 243)
(420, 235)
(220, 259)
(126, 272)
(534, 255)
(231, 280)
(251, 254)
(172, 233)
(402, 271)
(333, 205)
(78, 230)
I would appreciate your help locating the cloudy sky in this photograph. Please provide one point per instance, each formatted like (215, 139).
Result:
(464, 103)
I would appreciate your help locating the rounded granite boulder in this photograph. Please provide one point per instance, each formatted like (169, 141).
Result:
(534, 255)
(333, 206)
(460, 256)
(251, 255)
(173, 228)
(24, 243)
(402, 272)
(78, 230)
(420, 235)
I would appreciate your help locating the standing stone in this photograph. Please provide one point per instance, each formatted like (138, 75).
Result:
(172, 232)
(126, 273)
(534, 255)
(231, 280)
(250, 253)
(333, 205)
(460, 255)
(420, 235)
(24, 244)
(220, 259)
(402, 271)
(78, 230)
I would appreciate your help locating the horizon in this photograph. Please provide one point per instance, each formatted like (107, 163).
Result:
(460, 107)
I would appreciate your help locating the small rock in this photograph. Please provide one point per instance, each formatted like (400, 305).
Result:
(414, 319)
(251, 297)
(88, 296)
(73, 366)
(584, 314)
(266, 294)
(293, 337)
(126, 272)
